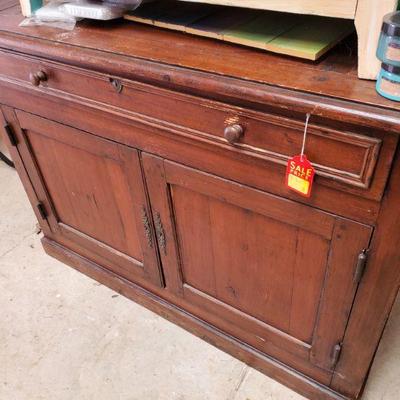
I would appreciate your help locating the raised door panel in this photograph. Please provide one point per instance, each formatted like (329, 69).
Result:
(251, 262)
(276, 274)
(94, 194)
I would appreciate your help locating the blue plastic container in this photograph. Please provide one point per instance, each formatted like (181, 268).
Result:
(389, 41)
(388, 83)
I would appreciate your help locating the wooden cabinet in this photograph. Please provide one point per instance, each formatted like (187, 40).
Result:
(124, 153)
(277, 274)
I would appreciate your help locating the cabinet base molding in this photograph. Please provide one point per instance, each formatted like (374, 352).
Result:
(267, 365)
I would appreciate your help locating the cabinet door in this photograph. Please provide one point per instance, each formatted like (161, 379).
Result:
(92, 195)
(274, 273)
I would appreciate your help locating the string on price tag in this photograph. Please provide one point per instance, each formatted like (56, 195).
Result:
(299, 171)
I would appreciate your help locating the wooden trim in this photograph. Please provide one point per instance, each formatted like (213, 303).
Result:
(157, 187)
(271, 335)
(371, 146)
(72, 136)
(30, 165)
(100, 248)
(348, 240)
(307, 218)
(8, 115)
(217, 338)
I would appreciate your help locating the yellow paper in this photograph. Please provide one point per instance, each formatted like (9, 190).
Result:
(301, 185)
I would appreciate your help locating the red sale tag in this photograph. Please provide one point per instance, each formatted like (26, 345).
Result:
(300, 175)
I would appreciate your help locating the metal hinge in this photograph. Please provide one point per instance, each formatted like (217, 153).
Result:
(42, 210)
(11, 134)
(336, 352)
(360, 267)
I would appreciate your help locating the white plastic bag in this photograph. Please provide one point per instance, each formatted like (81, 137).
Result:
(63, 14)
(51, 15)
(103, 10)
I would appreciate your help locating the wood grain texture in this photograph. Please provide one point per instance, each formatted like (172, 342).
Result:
(273, 139)
(93, 192)
(143, 177)
(231, 261)
(7, 4)
(232, 165)
(246, 65)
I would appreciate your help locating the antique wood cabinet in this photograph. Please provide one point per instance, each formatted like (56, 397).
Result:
(155, 163)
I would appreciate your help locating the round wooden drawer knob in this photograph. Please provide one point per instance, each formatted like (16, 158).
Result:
(233, 133)
(37, 77)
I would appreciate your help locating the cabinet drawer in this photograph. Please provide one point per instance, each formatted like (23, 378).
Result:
(344, 160)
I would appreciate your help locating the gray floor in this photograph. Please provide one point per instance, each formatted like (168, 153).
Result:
(65, 337)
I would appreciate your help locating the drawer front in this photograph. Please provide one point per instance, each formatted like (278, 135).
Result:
(348, 161)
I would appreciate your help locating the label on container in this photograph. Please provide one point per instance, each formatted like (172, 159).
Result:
(300, 175)
(390, 87)
(393, 52)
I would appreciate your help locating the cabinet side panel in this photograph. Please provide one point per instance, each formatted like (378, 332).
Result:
(375, 296)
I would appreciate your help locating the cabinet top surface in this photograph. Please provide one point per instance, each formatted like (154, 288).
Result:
(334, 76)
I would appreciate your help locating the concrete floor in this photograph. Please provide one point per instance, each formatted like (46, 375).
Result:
(64, 336)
